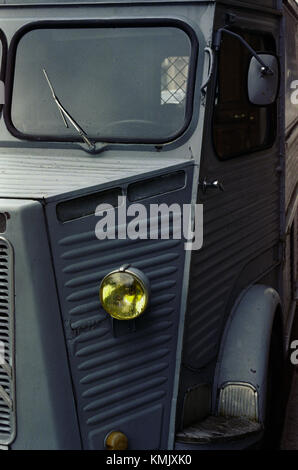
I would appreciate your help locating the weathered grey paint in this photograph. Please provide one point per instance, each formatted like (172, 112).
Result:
(55, 174)
(290, 206)
(123, 372)
(47, 176)
(245, 345)
(242, 235)
(269, 4)
(46, 416)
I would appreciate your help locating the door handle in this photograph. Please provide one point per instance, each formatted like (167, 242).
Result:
(214, 184)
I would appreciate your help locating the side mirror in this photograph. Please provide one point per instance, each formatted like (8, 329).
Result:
(263, 83)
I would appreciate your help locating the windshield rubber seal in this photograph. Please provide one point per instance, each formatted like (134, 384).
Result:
(3, 61)
(101, 23)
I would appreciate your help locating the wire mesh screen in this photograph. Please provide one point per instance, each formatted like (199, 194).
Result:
(174, 76)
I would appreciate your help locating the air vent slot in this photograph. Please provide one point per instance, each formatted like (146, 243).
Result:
(86, 205)
(2, 222)
(7, 392)
(155, 186)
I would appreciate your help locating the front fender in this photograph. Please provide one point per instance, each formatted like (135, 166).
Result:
(245, 346)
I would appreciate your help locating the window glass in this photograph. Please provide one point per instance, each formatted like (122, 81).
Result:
(240, 127)
(119, 84)
(174, 77)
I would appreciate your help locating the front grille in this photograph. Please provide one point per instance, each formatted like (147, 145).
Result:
(7, 398)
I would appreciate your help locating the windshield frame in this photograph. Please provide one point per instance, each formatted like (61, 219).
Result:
(3, 61)
(103, 23)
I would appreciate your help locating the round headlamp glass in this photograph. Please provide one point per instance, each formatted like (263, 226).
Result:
(124, 295)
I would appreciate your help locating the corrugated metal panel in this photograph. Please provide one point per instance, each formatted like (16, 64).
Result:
(291, 167)
(266, 3)
(291, 196)
(7, 399)
(239, 225)
(123, 372)
(42, 176)
(288, 274)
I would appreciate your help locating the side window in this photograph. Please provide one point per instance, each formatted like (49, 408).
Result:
(174, 76)
(173, 88)
(238, 126)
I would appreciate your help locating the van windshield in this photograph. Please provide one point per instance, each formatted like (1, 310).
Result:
(121, 84)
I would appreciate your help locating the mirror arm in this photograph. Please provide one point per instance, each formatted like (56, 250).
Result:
(210, 52)
(265, 70)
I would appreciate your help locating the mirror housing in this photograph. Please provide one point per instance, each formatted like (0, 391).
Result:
(263, 83)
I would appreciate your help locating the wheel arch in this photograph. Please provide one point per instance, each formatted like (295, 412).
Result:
(246, 343)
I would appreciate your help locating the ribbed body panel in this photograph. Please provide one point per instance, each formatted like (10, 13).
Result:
(290, 249)
(7, 395)
(240, 224)
(291, 168)
(122, 371)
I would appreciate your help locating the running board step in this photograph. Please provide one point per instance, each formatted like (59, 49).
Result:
(219, 429)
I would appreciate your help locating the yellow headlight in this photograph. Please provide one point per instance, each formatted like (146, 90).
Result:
(124, 294)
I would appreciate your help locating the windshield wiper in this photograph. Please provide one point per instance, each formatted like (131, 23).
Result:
(65, 113)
